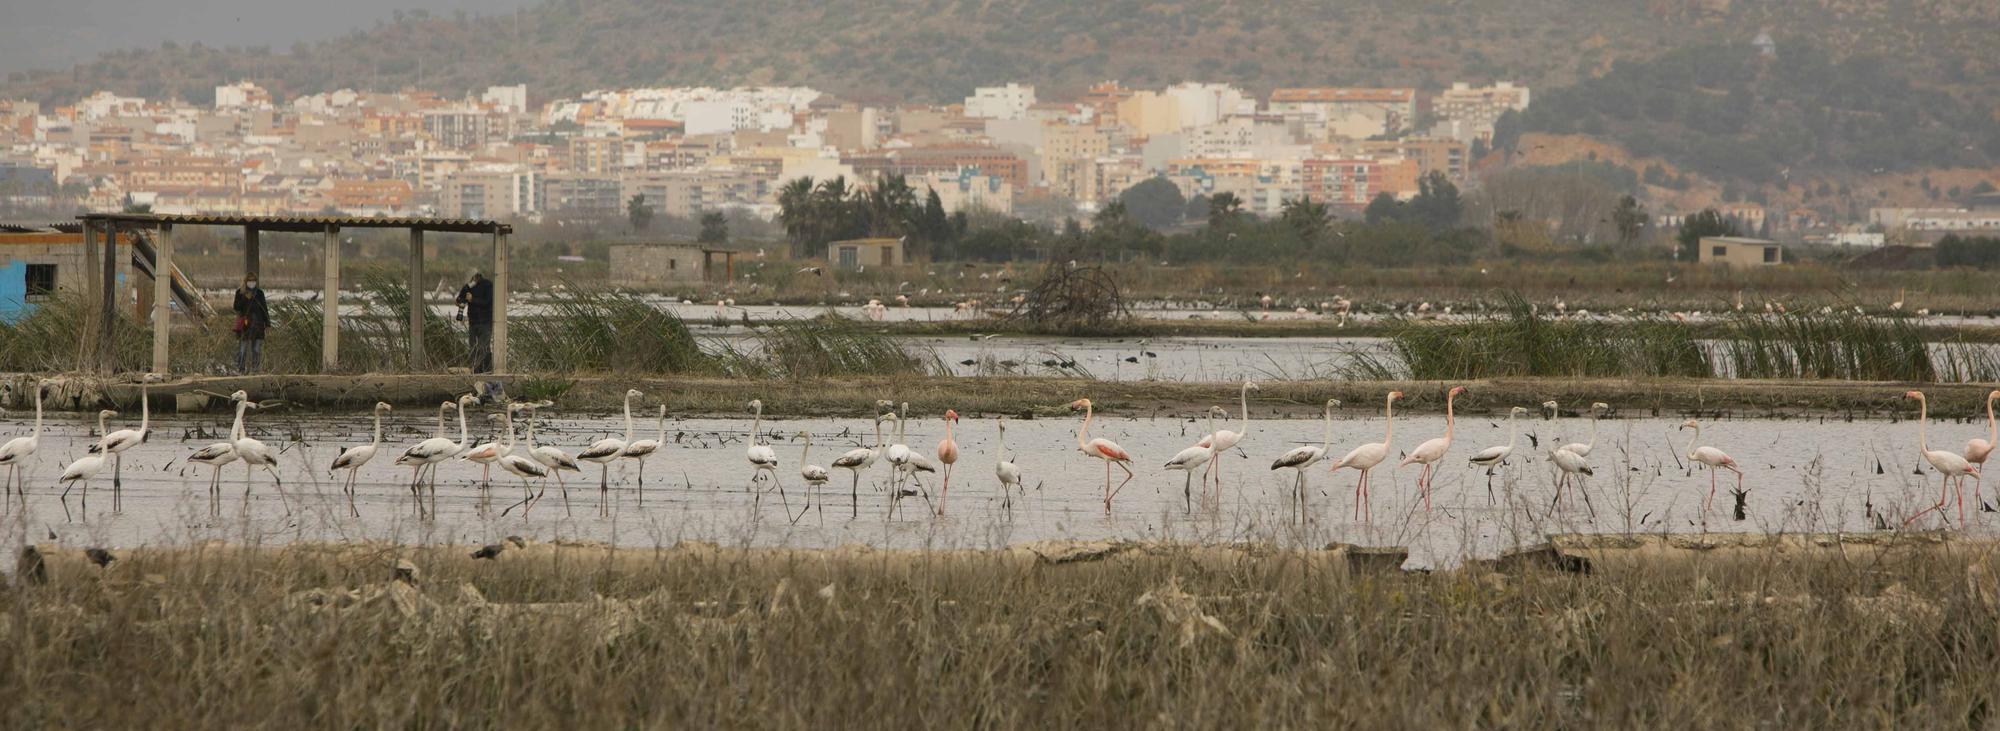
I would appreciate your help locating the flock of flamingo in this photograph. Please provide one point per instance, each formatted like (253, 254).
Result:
(535, 463)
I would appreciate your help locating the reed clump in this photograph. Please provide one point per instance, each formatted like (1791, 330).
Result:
(824, 347)
(695, 637)
(1518, 340)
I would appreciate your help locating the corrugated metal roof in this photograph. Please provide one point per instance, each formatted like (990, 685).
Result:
(306, 223)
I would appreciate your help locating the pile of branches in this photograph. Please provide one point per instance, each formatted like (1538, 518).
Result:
(1072, 298)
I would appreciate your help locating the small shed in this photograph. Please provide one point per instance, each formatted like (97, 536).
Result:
(1740, 253)
(641, 266)
(859, 253)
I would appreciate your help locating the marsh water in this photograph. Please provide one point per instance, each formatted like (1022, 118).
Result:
(1800, 475)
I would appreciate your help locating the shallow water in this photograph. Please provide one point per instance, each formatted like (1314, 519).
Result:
(1802, 475)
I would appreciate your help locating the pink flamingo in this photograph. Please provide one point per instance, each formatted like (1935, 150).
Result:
(1366, 456)
(1977, 450)
(1716, 459)
(1428, 453)
(1103, 449)
(947, 453)
(1952, 468)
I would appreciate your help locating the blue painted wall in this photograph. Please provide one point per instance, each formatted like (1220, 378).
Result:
(14, 291)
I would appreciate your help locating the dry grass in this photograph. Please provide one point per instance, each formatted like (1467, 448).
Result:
(1174, 637)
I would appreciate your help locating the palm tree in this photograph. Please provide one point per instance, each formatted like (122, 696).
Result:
(1306, 217)
(795, 209)
(1223, 208)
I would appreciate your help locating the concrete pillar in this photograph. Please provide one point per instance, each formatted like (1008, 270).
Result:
(107, 304)
(93, 263)
(499, 302)
(417, 302)
(251, 249)
(163, 294)
(329, 354)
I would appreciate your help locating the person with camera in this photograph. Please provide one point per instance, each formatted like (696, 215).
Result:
(475, 309)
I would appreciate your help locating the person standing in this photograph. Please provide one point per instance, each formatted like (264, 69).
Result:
(476, 301)
(253, 317)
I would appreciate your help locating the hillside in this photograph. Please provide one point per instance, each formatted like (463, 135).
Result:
(938, 50)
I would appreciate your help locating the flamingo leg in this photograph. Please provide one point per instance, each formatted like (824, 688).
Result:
(117, 484)
(603, 488)
(1121, 485)
(1423, 480)
(565, 491)
(1958, 488)
(642, 483)
(944, 491)
(1357, 494)
(1706, 504)
(854, 494)
(1107, 487)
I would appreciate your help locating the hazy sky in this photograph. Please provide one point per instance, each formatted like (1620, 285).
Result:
(55, 34)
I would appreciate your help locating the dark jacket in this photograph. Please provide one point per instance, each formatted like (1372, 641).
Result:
(478, 300)
(255, 311)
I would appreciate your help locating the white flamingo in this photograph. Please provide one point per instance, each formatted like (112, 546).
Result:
(552, 457)
(19, 449)
(1365, 457)
(1574, 468)
(640, 450)
(429, 451)
(1226, 440)
(116, 443)
(1301, 458)
(1492, 457)
(1977, 450)
(523, 467)
(1430, 452)
(1004, 468)
(1715, 459)
(858, 459)
(1199, 455)
(354, 458)
(1952, 467)
(608, 450)
(484, 455)
(947, 454)
(763, 459)
(220, 454)
(84, 468)
(1103, 449)
(814, 475)
(256, 454)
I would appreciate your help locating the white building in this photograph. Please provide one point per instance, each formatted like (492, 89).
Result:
(1000, 102)
(967, 190)
(507, 98)
(242, 95)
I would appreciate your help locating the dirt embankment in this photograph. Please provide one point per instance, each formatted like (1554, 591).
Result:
(1026, 397)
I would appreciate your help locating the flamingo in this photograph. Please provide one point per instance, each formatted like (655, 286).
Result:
(858, 459)
(1952, 467)
(814, 475)
(898, 454)
(525, 468)
(638, 451)
(115, 444)
(484, 455)
(1429, 452)
(607, 450)
(763, 460)
(1366, 456)
(1196, 456)
(19, 449)
(1977, 450)
(1226, 440)
(551, 457)
(1004, 469)
(1491, 457)
(1572, 465)
(1103, 449)
(429, 451)
(219, 454)
(84, 468)
(354, 458)
(947, 454)
(1717, 460)
(1582, 449)
(256, 454)
(910, 467)
(1301, 458)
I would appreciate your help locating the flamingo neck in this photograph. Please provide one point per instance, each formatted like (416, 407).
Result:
(236, 429)
(1242, 402)
(38, 410)
(1923, 423)
(145, 409)
(1593, 428)
(378, 429)
(464, 435)
(1326, 444)
(756, 426)
(806, 453)
(1211, 431)
(878, 444)
(531, 432)
(1693, 439)
(1449, 419)
(1000, 451)
(1084, 430)
(509, 448)
(628, 419)
(947, 430)
(1389, 420)
(662, 438)
(1513, 430)
(1992, 428)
